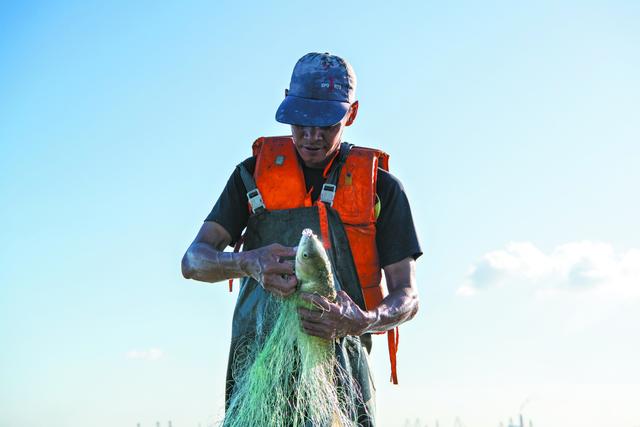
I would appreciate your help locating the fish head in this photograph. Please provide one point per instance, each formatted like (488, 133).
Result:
(312, 262)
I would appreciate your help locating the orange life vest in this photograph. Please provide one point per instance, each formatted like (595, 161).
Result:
(280, 181)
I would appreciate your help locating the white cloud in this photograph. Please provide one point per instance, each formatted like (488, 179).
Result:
(150, 354)
(587, 267)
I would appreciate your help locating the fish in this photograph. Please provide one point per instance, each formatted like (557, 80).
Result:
(313, 268)
(314, 274)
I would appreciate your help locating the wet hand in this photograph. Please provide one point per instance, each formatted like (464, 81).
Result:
(270, 267)
(333, 319)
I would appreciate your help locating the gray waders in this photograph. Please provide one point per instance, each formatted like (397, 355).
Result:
(255, 308)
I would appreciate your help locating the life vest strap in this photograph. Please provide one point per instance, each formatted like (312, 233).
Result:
(324, 225)
(393, 339)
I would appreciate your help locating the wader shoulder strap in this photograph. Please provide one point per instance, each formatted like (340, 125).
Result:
(329, 187)
(255, 204)
(253, 194)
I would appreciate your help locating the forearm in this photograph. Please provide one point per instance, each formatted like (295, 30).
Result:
(398, 307)
(205, 263)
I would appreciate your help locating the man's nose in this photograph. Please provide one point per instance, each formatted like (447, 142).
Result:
(312, 133)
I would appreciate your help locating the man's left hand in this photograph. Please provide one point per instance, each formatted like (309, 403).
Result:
(333, 319)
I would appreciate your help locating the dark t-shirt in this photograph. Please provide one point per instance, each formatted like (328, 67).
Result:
(396, 236)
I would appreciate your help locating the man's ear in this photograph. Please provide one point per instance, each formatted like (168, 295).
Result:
(353, 112)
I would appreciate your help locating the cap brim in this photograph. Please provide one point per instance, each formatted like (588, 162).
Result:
(295, 110)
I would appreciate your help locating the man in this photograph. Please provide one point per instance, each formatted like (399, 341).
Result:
(318, 105)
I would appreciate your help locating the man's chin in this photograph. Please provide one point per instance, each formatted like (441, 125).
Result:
(314, 159)
(314, 164)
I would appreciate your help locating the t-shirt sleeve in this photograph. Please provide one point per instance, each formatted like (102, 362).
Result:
(231, 210)
(396, 236)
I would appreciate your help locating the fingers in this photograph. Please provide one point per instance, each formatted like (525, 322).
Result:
(312, 315)
(319, 301)
(282, 251)
(317, 323)
(273, 259)
(279, 284)
(317, 330)
(284, 267)
(342, 296)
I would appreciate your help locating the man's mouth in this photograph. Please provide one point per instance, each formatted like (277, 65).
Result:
(313, 149)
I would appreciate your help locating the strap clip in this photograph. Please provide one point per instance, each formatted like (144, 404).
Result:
(328, 193)
(255, 200)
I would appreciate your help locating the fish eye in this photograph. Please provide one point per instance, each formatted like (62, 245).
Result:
(305, 255)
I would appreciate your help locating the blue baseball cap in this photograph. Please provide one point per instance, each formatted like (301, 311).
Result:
(322, 88)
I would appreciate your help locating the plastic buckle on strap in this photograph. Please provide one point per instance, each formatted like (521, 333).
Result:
(255, 200)
(328, 193)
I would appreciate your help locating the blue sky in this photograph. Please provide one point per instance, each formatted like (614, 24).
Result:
(514, 128)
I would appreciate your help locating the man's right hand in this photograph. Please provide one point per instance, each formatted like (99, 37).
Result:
(270, 267)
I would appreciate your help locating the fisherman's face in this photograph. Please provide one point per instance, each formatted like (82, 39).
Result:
(317, 144)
